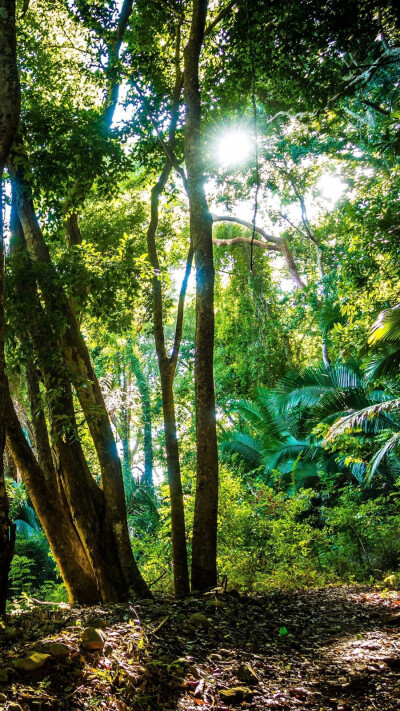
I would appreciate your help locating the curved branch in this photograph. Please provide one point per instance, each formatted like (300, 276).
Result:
(249, 225)
(245, 240)
(221, 15)
(274, 244)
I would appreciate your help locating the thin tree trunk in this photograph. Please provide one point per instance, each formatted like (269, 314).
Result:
(321, 274)
(204, 547)
(167, 366)
(179, 553)
(125, 429)
(167, 363)
(147, 478)
(9, 118)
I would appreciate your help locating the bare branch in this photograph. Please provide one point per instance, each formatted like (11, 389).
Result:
(284, 217)
(245, 240)
(248, 225)
(273, 244)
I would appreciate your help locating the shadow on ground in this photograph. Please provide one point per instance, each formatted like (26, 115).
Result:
(337, 648)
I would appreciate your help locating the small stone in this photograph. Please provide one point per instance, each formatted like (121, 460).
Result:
(197, 619)
(247, 674)
(93, 639)
(34, 661)
(235, 695)
(56, 649)
(3, 676)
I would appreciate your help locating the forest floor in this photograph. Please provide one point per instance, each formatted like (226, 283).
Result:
(336, 648)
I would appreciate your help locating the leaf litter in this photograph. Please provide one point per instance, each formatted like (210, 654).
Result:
(333, 649)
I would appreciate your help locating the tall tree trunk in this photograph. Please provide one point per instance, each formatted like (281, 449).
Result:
(204, 566)
(70, 475)
(144, 392)
(179, 553)
(167, 363)
(86, 502)
(9, 118)
(167, 366)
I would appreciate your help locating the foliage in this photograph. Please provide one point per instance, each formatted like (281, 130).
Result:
(309, 452)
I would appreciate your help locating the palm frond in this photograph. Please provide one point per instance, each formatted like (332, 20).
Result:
(376, 460)
(330, 387)
(386, 365)
(328, 316)
(284, 452)
(386, 327)
(25, 514)
(306, 476)
(248, 448)
(360, 419)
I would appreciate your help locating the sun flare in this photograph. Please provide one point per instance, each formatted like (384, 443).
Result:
(234, 147)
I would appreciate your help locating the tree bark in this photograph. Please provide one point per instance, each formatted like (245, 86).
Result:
(147, 478)
(9, 118)
(69, 473)
(54, 516)
(204, 547)
(167, 366)
(108, 543)
(167, 363)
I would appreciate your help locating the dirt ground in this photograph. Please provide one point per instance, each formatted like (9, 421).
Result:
(335, 648)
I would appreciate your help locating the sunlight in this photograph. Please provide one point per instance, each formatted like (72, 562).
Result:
(331, 187)
(234, 147)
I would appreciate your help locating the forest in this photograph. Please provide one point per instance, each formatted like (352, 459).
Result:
(199, 354)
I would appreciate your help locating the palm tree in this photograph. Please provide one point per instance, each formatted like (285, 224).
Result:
(265, 443)
(278, 427)
(385, 331)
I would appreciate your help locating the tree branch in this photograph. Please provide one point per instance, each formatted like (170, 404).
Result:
(114, 48)
(221, 15)
(274, 244)
(245, 240)
(248, 225)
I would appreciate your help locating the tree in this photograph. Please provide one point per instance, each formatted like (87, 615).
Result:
(9, 118)
(204, 546)
(97, 515)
